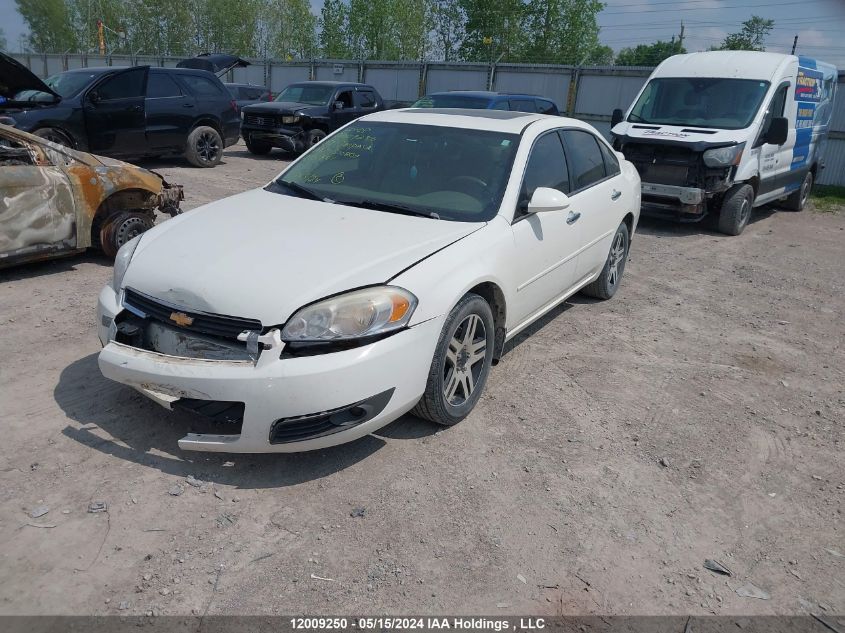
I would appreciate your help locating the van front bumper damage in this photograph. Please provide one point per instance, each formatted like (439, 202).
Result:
(685, 204)
(276, 402)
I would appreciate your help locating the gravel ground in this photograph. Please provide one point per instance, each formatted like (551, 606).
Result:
(698, 414)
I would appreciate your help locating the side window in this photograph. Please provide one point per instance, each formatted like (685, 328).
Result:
(523, 105)
(611, 163)
(501, 105)
(160, 85)
(346, 98)
(126, 85)
(546, 167)
(585, 158)
(203, 86)
(254, 94)
(545, 107)
(776, 108)
(366, 99)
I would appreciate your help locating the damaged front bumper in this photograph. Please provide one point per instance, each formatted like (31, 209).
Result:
(275, 404)
(684, 204)
(289, 138)
(170, 197)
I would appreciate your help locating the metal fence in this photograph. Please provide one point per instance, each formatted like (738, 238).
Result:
(588, 93)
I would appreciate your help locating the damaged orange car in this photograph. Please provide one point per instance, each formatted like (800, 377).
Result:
(55, 201)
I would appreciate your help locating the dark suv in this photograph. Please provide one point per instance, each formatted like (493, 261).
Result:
(126, 112)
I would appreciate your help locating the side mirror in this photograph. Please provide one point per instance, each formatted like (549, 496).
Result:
(616, 117)
(778, 131)
(546, 199)
(338, 105)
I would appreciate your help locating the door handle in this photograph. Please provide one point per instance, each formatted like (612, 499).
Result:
(572, 218)
(136, 108)
(615, 195)
(187, 105)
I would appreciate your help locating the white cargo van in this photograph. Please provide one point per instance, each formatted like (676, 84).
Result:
(725, 131)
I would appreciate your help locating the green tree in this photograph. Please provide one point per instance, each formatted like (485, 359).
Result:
(160, 27)
(3, 44)
(563, 32)
(83, 16)
(292, 29)
(334, 19)
(648, 54)
(49, 25)
(750, 38)
(494, 28)
(447, 26)
(601, 56)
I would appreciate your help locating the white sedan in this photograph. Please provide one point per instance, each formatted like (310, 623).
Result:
(380, 273)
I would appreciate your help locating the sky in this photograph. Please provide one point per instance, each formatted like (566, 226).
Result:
(818, 23)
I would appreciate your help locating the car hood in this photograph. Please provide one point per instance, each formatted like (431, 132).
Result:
(15, 77)
(279, 107)
(698, 138)
(262, 255)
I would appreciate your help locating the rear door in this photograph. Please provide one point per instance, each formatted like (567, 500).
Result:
(169, 111)
(37, 206)
(597, 194)
(115, 115)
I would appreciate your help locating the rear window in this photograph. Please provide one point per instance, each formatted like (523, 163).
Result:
(452, 101)
(523, 105)
(585, 158)
(160, 85)
(204, 86)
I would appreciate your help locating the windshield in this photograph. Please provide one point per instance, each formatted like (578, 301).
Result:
(305, 93)
(447, 173)
(728, 104)
(65, 84)
(452, 101)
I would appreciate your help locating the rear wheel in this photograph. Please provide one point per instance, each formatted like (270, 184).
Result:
(257, 147)
(122, 227)
(205, 147)
(461, 363)
(797, 200)
(54, 135)
(736, 209)
(611, 275)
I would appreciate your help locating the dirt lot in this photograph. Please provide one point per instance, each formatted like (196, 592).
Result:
(699, 414)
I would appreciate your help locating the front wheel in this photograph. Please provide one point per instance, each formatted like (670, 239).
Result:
(736, 209)
(611, 275)
(313, 137)
(205, 147)
(122, 227)
(257, 147)
(461, 363)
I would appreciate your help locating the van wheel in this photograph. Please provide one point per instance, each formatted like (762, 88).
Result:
(736, 209)
(797, 200)
(205, 147)
(461, 363)
(259, 148)
(55, 136)
(122, 227)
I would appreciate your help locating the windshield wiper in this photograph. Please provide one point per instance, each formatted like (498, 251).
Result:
(391, 207)
(304, 191)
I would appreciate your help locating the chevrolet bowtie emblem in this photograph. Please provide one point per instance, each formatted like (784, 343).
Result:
(181, 319)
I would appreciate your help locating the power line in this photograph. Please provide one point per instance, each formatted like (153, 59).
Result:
(746, 6)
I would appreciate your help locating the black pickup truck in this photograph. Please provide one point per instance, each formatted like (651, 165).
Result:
(304, 113)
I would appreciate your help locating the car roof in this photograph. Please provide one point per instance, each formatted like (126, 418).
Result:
(485, 94)
(331, 83)
(506, 121)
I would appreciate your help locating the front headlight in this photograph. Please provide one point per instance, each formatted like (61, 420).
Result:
(287, 120)
(723, 156)
(242, 115)
(121, 261)
(354, 315)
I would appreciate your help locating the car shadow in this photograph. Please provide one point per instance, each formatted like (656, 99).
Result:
(275, 154)
(115, 420)
(668, 228)
(544, 320)
(58, 264)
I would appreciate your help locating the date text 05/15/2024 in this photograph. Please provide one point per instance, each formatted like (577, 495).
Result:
(417, 623)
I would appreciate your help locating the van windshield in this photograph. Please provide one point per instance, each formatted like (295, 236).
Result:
(728, 104)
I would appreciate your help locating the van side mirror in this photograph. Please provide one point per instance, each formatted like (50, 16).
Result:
(338, 105)
(547, 199)
(616, 117)
(778, 131)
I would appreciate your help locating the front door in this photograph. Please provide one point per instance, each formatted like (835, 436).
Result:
(37, 207)
(114, 114)
(546, 243)
(776, 160)
(348, 111)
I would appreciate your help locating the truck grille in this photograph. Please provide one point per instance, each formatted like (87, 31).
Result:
(219, 325)
(260, 120)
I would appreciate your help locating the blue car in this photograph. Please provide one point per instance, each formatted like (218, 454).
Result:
(486, 100)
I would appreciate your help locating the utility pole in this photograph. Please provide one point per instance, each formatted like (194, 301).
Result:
(794, 44)
(681, 38)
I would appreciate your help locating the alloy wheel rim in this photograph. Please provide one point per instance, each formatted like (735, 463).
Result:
(617, 258)
(464, 360)
(207, 146)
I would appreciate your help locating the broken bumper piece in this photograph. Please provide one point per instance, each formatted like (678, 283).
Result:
(288, 404)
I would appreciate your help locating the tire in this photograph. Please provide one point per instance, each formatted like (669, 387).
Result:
(122, 227)
(796, 201)
(736, 209)
(54, 135)
(205, 147)
(607, 283)
(259, 148)
(453, 365)
(312, 138)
